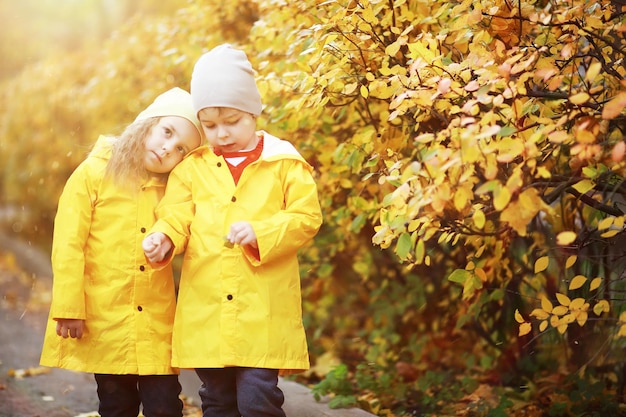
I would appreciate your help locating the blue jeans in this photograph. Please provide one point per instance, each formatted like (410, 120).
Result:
(237, 392)
(121, 395)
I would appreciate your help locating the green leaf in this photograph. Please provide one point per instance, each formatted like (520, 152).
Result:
(459, 275)
(403, 247)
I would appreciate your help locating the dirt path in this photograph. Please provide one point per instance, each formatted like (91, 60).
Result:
(24, 306)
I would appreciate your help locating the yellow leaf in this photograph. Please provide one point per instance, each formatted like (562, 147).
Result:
(606, 223)
(614, 107)
(562, 328)
(420, 49)
(420, 250)
(577, 282)
(560, 310)
(601, 306)
(578, 304)
(559, 136)
(392, 49)
(518, 317)
(521, 211)
(509, 149)
(609, 233)
(583, 186)
(582, 318)
(546, 305)
(593, 71)
(571, 260)
(541, 264)
(524, 329)
(565, 238)
(346, 183)
(584, 134)
(595, 284)
(543, 172)
(364, 92)
(349, 88)
(479, 218)
(543, 325)
(369, 16)
(461, 197)
(563, 299)
(481, 274)
(555, 321)
(414, 224)
(501, 198)
(579, 98)
(540, 314)
(622, 331)
(379, 89)
(622, 317)
(568, 319)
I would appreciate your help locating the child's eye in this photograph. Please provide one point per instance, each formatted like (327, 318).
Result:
(167, 131)
(182, 150)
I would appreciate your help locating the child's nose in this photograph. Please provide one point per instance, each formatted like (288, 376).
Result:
(222, 131)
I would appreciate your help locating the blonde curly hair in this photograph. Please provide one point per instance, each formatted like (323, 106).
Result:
(126, 165)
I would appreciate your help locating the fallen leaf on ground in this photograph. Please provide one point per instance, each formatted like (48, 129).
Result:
(34, 371)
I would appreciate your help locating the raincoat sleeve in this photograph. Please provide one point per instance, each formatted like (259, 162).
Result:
(71, 229)
(291, 228)
(175, 212)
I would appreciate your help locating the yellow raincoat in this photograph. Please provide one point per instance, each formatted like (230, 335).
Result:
(101, 275)
(234, 308)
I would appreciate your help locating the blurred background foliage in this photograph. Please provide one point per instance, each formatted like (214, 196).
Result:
(470, 162)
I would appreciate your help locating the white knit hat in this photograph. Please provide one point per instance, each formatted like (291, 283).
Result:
(223, 77)
(174, 102)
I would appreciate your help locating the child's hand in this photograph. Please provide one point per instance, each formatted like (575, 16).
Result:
(156, 246)
(70, 328)
(242, 234)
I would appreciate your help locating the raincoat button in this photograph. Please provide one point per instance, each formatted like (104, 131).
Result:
(142, 268)
(139, 308)
(229, 297)
(219, 164)
(143, 230)
(233, 199)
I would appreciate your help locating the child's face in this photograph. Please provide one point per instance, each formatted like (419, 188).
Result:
(168, 142)
(228, 130)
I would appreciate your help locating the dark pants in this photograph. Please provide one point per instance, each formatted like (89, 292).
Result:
(121, 395)
(237, 392)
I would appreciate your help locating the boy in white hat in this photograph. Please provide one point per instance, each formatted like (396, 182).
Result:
(112, 313)
(250, 204)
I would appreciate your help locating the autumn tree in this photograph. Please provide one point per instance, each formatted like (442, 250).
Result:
(484, 143)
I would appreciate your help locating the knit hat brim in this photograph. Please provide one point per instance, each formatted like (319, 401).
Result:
(174, 102)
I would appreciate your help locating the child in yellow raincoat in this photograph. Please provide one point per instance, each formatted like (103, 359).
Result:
(242, 208)
(112, 313)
